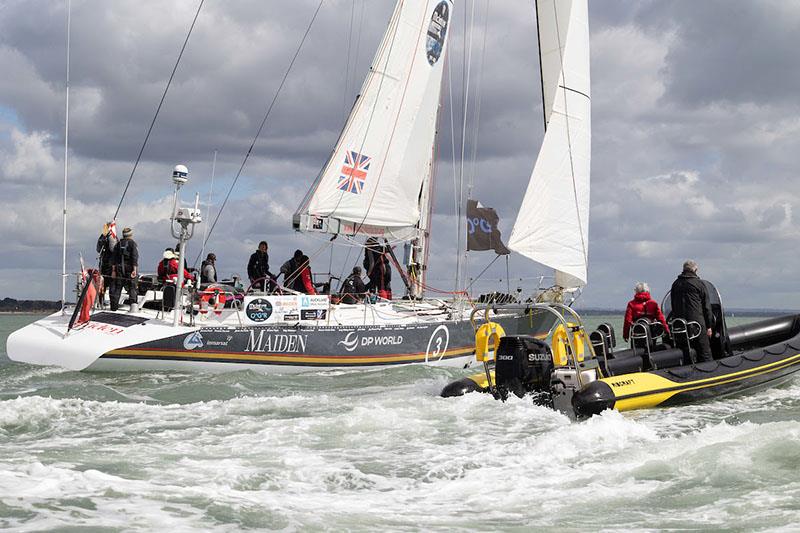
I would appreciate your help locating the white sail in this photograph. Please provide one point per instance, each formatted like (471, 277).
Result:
(373, 182)
(552, 225)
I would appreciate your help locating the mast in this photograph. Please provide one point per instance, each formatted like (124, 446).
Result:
(66, 166)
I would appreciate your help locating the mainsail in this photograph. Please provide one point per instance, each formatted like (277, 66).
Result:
(376, 180)
(552, 225)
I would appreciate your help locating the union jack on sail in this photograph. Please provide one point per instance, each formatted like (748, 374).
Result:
(354, 172)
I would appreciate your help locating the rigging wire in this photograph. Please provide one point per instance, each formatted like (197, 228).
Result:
(347, 67)
(263, 122)
(479, 83)
(158, 110)
(465, 77)
(496, 257)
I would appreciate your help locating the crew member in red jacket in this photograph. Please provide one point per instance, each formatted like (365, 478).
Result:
(168, 268)
(642, 306)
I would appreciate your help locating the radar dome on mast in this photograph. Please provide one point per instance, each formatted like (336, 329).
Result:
(180, 175)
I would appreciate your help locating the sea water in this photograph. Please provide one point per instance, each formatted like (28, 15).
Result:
(377, 451)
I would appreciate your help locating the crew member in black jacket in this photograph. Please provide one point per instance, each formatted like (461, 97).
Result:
(125, 270)
(258, 268)
(690, 302)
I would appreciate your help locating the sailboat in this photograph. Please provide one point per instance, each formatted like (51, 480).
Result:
(376, 184)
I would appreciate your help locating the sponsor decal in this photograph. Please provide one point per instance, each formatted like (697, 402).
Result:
(622, 383)
(193, 340)
(284, 304)
(350, 342)
(313, 314)
(224, 342)
(438, 342)
(276, 342)
(353, 340)
(104, 328)
(314, 302)
(542, 357)
(437, 30)
(290, 317)
(259, 310)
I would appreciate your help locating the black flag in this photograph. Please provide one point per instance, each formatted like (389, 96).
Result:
(482, 232)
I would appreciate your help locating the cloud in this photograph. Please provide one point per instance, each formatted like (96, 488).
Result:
(695, 134)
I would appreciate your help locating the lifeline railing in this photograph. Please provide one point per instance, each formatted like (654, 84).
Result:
(556, 309)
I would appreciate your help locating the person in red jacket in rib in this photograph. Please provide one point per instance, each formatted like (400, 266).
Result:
(642, 306)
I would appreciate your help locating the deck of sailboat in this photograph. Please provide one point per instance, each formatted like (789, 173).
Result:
(366, 335)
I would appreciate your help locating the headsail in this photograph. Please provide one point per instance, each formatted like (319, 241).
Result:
(552, 225)
(379, 170)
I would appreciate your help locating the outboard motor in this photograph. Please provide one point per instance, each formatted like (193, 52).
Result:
(523, 366)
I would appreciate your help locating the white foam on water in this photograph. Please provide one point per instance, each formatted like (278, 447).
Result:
(395, 457)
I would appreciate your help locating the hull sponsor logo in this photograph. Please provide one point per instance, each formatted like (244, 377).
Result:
(291, 317)
(193, 340)
(108, 329)
(259, 310)
(437, 344)
(315, 302)
(353, 340)
(224, 342)
(276, 342)
(313, 314)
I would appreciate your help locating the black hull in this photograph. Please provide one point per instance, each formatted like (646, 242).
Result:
(444, 342)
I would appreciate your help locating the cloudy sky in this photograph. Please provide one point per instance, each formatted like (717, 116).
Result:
(696, 133)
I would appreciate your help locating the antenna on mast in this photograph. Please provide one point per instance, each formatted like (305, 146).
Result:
(208, 210)
(66, 166)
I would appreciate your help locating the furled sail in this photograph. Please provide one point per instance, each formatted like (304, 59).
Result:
(377, 175)
(552, 225)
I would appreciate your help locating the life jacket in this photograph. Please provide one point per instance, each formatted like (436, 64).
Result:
(127, 253)
(163, 269)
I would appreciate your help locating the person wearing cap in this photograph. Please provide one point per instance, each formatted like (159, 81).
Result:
(208, 269)
(690, 302)
(125, 269)
(353, 288)
(163, 265)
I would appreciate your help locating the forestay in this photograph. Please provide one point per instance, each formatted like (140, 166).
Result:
(377, 176)
(552, 225)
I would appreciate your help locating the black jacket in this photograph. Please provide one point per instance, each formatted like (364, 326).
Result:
(690, 300)
(258, 266)
(376, 264)
(292, 278)
(353, 285)
(126, 256)
(105, 247)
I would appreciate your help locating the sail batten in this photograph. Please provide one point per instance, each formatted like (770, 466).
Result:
(370, 184)
(553, 221)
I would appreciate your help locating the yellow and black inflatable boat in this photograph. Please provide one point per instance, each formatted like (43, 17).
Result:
(584, 378)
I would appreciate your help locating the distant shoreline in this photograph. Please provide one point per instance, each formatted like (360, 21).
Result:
(34, 312)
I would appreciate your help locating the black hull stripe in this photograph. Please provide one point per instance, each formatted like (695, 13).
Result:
(275, 363)
(713, 382)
